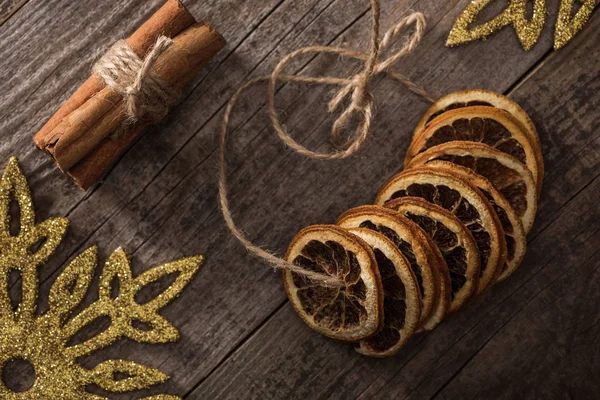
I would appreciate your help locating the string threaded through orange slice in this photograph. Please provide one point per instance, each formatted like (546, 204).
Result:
(352, 312)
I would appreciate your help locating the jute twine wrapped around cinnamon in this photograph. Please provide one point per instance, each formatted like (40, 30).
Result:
(355, 88)
(132, 86)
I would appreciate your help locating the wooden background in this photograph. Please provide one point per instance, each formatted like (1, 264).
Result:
(534, 336)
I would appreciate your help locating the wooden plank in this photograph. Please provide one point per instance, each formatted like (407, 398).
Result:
(522, 317)
(549, 332)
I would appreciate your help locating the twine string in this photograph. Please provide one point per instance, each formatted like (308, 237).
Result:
(355, 88)
(145, 94)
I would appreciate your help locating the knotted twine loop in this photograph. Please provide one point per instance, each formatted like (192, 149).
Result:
(146, 95)
(361, 102)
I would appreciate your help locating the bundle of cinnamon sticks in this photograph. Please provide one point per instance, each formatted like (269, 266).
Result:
(81, 137)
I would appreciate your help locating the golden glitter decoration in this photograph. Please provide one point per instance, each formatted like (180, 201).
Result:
(528, 31)
(44, 340)
(566, 26)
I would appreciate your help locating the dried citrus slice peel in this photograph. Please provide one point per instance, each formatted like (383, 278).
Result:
(465, 202)
(479, 97)
(507, 174)
(401, 302)
(351, 312)
(514, 233)
(453, 239)
(492, 126)
(444, 295)
(411, 242)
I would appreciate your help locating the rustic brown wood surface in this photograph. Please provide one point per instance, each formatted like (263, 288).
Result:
(533, 336)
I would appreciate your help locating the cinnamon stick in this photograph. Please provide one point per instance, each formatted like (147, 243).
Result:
(78, 135)
(169, 20)
(179, 64)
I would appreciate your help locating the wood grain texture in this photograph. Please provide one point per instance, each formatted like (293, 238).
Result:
(240, 339)
(9, 7)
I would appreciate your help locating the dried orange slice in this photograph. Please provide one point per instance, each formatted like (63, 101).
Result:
(465, 202)
(514, 233)
(444, 295)
(351, 312)
(401, 301)
(492, 126)
(479, 97)
(507, 174)
(411, 242)
(453, 239)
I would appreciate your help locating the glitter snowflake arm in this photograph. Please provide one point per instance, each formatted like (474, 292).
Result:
(528, 31)
(162, 330)
(14, 186)
(71, 286)
(138, 376)
(124, 311)
(26, 250)
(567, 24)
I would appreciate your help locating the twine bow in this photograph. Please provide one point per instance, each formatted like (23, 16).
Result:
(356, 86)
(361, 102)
(145, 93)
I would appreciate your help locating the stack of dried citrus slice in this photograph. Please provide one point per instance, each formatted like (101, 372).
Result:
(448, 227)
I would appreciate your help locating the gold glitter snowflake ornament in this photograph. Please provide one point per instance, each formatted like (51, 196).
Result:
(43, 340)
(515, 14)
